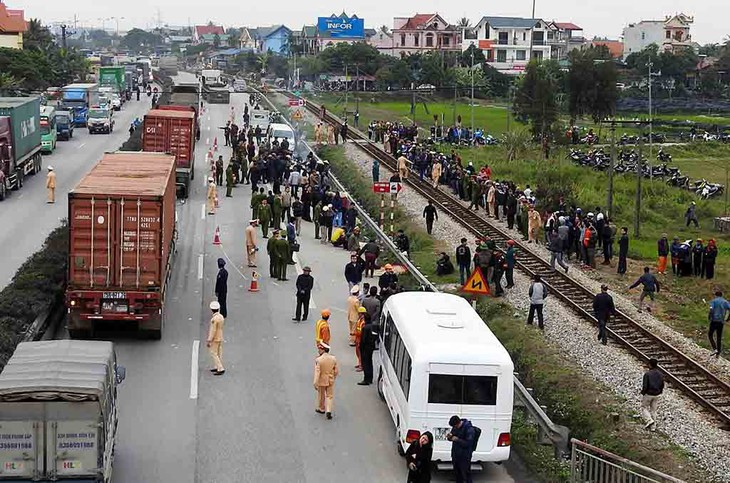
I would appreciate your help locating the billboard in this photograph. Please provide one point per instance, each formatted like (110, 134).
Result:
(338, 27)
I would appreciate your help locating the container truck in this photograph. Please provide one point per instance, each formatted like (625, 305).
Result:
(59, 411)
(49, 136)
(122, 236)
(114, 77)
(20, 141)
(169, 64)
(172, 130)
(78, 98)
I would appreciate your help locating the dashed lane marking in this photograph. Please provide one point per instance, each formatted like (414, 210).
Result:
(194, 370)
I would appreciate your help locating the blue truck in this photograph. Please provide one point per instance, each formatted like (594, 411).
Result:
(78, 98)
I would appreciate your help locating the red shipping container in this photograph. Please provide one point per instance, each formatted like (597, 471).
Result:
(171, 131)
(121, 239)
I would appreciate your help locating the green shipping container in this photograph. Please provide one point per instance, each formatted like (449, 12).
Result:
(112, 76)
(25, 119)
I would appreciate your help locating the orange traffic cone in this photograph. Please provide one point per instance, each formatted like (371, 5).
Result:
(254, 282)
(215, 143)
(217, 236)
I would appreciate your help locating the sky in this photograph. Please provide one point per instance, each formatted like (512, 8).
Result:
(598, 18)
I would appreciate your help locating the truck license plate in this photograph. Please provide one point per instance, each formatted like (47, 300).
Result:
(114, 295)
(114, 307)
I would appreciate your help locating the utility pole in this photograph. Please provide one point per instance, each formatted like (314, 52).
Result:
(472, 94)
(347, 88)
(532, 31)
(611, 166)
(651, 140)
(453, 121)
(63, 36)
(639, 175)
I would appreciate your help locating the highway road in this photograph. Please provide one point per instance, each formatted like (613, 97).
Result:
(179, 423)
(24, 215)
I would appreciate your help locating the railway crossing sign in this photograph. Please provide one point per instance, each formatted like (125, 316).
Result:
(297, 115)
(387, 187)
(476, 283)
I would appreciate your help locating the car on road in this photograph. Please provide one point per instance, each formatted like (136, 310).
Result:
(100, 120)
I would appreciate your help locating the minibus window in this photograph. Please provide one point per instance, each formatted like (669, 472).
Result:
(470, 390)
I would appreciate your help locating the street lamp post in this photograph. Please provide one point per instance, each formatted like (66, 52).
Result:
(651, 115)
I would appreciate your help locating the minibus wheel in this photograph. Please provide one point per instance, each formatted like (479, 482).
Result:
(381, 393)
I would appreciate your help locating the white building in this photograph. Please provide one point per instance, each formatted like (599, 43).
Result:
(505, 42)
(669, 34)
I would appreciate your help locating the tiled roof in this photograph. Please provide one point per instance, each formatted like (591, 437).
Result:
(511, 22)
(309, 30)
(418, 20)
(209, 30)
(567, 26)
(12, 21)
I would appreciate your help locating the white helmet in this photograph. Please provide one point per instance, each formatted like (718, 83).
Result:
(590, 214)
(561, 220)
(599, 217)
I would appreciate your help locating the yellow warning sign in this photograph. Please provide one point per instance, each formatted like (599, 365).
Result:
(476, 283)
(297, 115)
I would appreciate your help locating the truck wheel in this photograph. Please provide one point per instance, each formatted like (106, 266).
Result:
(380, 385)
(71, 135)
(3, 192)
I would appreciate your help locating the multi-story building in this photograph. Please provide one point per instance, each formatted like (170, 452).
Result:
(669, 35)
(272, 39)
(564, 37)
(12, 27)
(424, 33)
(382, 40)
(506, 41)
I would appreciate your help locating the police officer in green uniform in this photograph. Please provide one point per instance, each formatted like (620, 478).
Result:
(281, 249)
(229, 180)
(273, 260)
(315, 219)
(277, 210)
(256, 203)
(264, 216)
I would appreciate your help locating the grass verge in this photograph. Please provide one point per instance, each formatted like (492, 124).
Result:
(591, 411)
(37, 284)
(424, 248)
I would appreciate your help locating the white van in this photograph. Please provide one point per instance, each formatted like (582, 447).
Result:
(438, 359)
(259, 117)
(281, 131)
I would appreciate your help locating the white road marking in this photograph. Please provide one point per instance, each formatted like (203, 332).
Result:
(207, 141)
(200, 267)
(80, 145)
(202, 211)
(194, 370)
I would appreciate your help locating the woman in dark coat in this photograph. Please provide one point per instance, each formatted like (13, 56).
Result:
(418, 459)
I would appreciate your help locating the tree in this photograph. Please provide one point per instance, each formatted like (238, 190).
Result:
(592, 84)
(37, 37)
(263, 62)
(433, 71)
(464, 23)
(536, 96)
(216, 40)
(385, 29)
(140, 40)
(466, 59)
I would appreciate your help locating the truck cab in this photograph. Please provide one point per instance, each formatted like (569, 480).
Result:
(100, 120)
(78, 98)
(59, 411)
(64, 125)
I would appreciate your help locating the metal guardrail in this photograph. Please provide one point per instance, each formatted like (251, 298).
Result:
(551, 433)
(589, 464)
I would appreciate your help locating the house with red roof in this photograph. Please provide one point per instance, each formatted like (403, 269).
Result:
(424, 33)
(12, 27)
(202, 32)
(615, 47)
(564, 37)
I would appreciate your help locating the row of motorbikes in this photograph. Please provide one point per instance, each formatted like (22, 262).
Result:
(627, 161)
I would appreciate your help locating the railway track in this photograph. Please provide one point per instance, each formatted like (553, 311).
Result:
(687, 375)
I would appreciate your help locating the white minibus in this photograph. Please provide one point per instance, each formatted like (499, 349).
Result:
(279, 132)
(438, 359)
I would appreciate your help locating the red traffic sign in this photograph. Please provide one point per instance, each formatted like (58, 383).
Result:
(382, 187)
(296, 102)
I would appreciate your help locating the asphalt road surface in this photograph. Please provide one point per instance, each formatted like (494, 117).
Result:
(24, 215)
(179, 423)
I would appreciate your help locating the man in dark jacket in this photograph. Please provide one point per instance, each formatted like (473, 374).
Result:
(623, 250)
(652, 387)
(463, 259)
(305, 283)
(353, 270)
(462, 446)
(388, 278)
(650, 287)
(674, 250)
(403, 243)
(511, 207)
(662, 252)
(372, 304)
(603, 307)
(367, 346)
(221, 286)
(371, 251)
(429, 213)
